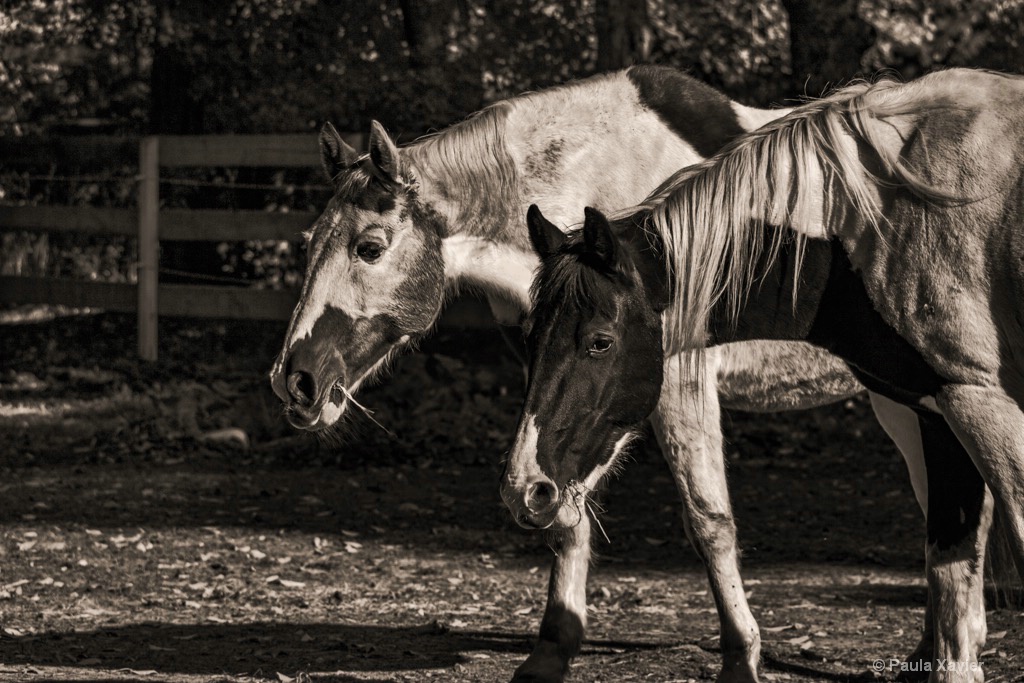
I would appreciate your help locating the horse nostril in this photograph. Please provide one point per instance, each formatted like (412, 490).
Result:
(302, 387)
(541, 497)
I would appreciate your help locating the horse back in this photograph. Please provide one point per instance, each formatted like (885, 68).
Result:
(947, 273)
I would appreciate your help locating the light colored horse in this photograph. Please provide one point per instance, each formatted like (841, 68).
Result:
(406, 226)
(885, 224)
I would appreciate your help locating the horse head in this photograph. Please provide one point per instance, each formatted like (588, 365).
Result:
(596, 363)
(374, 280)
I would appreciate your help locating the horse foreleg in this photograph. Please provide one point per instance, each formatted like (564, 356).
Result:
(565, 616)
(990, 424)
(959, 517)
(687, 423)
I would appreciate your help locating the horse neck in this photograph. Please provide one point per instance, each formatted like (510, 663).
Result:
(732, 225)
(467, 175)
(783, 300)
(587, 144)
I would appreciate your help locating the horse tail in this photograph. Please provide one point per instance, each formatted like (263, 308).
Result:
(1000, 570)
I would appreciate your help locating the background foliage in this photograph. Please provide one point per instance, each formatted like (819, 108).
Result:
(287, 65)
(259, 66)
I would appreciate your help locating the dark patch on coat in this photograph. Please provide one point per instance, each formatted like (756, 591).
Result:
(694, 111)
(426, 217)
(849, 326)
(364, 341)
(416, 302)
(545, 163)
(562, 627)
(956, 491)
(833, 310)
(553, 152)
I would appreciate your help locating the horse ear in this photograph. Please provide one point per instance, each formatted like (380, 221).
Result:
(598, 237)
(545, 237)
(335, 154)
(384, 153)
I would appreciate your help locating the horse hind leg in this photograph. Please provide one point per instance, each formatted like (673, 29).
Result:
(909, 431)
(565, 615)
(687, 424)
(959, 518)
(990, 424)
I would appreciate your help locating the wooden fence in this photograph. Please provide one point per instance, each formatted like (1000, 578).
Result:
(151, 225)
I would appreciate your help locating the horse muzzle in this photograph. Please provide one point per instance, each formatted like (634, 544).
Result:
(309, 387)
(533, 504)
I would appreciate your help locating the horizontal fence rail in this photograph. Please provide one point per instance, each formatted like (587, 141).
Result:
(214, 225)
(203, 151)
(199, 301)
(151, 225)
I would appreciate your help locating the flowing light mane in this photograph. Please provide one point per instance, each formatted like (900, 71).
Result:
(712, 217)
(472, 160)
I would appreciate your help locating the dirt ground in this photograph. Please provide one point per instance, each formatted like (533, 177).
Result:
(162, 523)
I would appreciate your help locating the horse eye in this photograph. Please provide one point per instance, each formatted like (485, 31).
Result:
(599, 346)
(369, 251)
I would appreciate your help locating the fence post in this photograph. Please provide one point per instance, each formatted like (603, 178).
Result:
(149, 244)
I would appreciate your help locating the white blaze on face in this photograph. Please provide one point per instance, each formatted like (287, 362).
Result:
(597, 475)
(358, 294)
(522, 461)
(571, 509)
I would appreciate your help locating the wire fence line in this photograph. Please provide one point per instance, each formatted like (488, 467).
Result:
(286, 187)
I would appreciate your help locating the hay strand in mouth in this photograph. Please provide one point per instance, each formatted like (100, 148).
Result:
(597, 521)
(366, 411)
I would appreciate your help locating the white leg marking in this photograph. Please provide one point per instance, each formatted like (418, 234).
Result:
(902, 426)
(956, 580)
(571, 570)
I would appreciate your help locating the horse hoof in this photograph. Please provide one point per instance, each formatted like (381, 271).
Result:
(534, 676)
(740, 666)
(918, 664)
(744, 675)
(540, 670)
(544, 665)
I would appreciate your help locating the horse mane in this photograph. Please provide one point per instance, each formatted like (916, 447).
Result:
(565, 278)
(711, 217)
(472, 158)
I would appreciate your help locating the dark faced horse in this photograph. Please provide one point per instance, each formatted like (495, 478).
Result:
(884, 224)
(408, 225)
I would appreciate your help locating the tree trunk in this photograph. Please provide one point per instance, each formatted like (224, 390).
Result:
(426, 27)
(827, 40)
(623, 33)
(174, 110)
